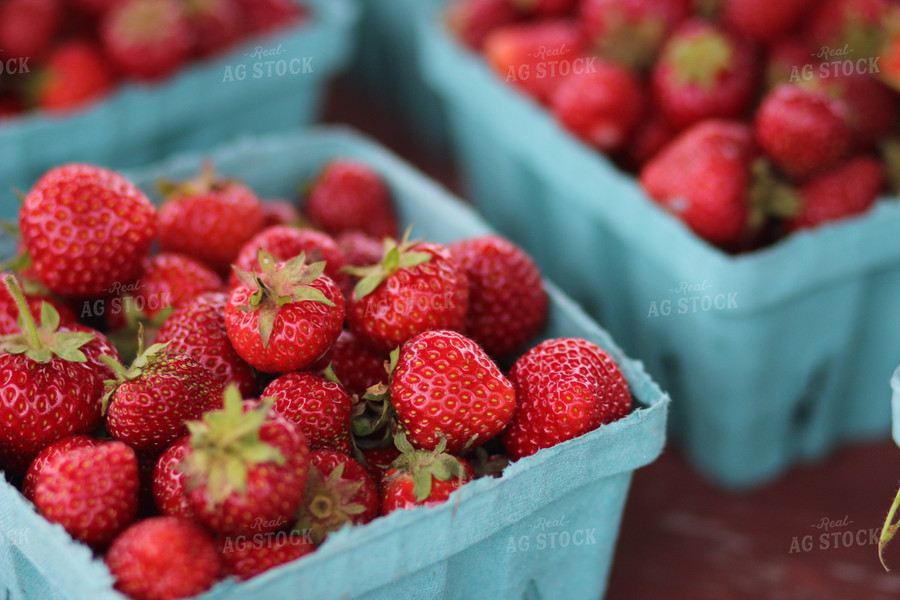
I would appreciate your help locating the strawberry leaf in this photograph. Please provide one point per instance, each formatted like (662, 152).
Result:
(306, 293)
(421, 484)
(267, 314)
(413, 259)
(49, 316)
(368, 284)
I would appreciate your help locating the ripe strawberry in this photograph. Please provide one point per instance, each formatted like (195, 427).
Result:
(164, 558)
(216, 24)
(704, 72)
(802, 130)
(339, 491)
(871, 108)
(147, 39)
(284, 243)
(27, 27)
(535, 57)
(247, 468)
(507, 301)
(286, 317)
(851, 24)
(86, 229)
(417, 286)
(92, 7)
(9, 312)
(91, 491)
(703, 178)
(171, 280)
(75, 74)
(246, 559)
(473, 20)
(52, 451)
(651, 135)
(209, 219)
(379, 460)
(168, 481)
(348, 196)
(271, 15)
(630, 32)
(320, 409)
(197, 329)
(787, 60)
(564, 388)
(601, 106)
(422, 477)
(279, 212)
(153, 399)
(356, 365)
(445, 385)
(763, 21)
(360, 249)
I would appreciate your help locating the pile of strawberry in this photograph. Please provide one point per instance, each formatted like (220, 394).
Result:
(747, 119)
(308, 369)
(59, 55)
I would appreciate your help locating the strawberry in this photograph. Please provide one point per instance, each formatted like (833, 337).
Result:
(91, 491)
(271, 15)
(651, 135)
(286, 317)
(802, 130)
(360, 249)
(197, 328)
(147, 39)
(168, 481)
(86, 229)
(216, 24)
(246, 559)
(787, 60)
(27, 27)
(889, 50)
(171, 280)
(417, 286)
(246, 469)
(348, 196)
(630, 32)
(507, 301)
(565, 388)
(75, 74)
(473, 20)
(52, 451)
(536, 57)
(763, 21)
(356, 365)
(9, 312)
(164, 558)
(10, 107)
(339, 491)
(703, 178)
(92, 7)
(871, 108)
(284, 243)
(320, 409)
(444, 385)
(152, 401)
(422, 477)
(601, 106)
(378, 460)
(209, 219)
(704, 72)
(279, 212)
(545, 8)
(856, 25)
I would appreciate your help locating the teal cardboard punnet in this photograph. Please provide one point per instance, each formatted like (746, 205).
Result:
(544, 530)
(773, 357)
(265, 85)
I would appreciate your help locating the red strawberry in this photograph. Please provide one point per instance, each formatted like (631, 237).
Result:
(86, 229)
(630, 32)
(339, 491)
(360, 249)
(320, 409)
(147, 39)
(356, 365)
(10, 107)
(473, 20)
(9, 312)
(247, 558)
(349, 196)
(247, 468)
(379, 459)
(418, 286)
(536, 57)
(651, 135)
(168, 481)
(601, 106)
(564, 388)
(197, 328)
(284, 243)
(209, 219)
(216, 24)
(507, 301)
(91, 491)
(52, 451)
(92, 7)
(164, 558)
(764, 21)
(871, 108)
(171, 280)
(703, 177)
(445, 386)
(27, 28)
(270, 15)
(802, 130)
(789, 60)
(153, 399)
(704, 72)
(422, 477)
(75, 74)
(855, 25)
(279, 212)
(286, 317)
(889, 51)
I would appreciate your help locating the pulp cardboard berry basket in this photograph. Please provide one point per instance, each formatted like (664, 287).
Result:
(773, 358)
(546, 529)
(265, 84)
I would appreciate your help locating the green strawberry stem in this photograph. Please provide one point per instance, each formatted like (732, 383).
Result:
(889, 530)
(26, 320)
(702, 59)
(422, 465)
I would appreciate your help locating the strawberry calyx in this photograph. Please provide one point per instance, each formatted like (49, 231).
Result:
(397, 255)
(374, 411)
(144, 360)
(328, 503)
(770, 196)
(41, 343)
(889, 530)
(632, 44)
(280, 284)
(208, 180)
(422, 465)
(225, 444)
(701, 59)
